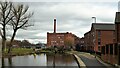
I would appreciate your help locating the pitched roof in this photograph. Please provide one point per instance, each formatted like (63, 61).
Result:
(117, 18)
(103, 26)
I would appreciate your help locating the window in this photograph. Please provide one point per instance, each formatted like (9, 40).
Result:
(61, 41)
(111, 49)
(99, 48)
(99, 34)
(58, 37)
(99, 41)
(103, 50)
(107, 49)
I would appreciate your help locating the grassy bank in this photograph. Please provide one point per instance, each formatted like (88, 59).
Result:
(27, 51)
(18, 52)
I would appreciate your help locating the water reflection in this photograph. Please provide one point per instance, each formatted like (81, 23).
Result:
(40, 60)
(61, 60)
(3, 62)
(10, 61)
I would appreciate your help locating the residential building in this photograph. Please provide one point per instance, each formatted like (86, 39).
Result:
(82, 44)
(87, 41)
(117, 33)
(111, 51)
(117, 27)
(99, 35)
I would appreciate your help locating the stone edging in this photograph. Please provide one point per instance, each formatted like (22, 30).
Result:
(80, 62)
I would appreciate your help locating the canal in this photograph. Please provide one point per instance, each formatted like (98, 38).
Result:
(42, 60)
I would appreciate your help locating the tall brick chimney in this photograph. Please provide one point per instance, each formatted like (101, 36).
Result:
(54, 25)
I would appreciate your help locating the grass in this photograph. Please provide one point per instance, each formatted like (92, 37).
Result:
(21, 50)
(18, 51)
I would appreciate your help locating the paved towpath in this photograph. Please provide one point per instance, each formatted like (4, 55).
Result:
(91, 62)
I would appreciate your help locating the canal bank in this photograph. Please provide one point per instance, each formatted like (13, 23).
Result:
(23, 52)
(79, 61)
(89, 61)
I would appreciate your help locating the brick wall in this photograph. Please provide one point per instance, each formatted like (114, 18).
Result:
(117, 26)
(60, 39)
(110, 53)
(92, 40)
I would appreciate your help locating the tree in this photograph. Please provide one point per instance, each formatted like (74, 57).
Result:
(26, 43)
(5, 17)
(69, 42)
(19, 21)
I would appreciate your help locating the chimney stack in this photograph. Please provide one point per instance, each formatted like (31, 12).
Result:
(54, 25)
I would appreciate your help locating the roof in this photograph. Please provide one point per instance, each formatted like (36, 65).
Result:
(117, 18)
(103, 26)
(60, 33)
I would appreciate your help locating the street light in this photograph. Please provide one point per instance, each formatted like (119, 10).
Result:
(94, 18)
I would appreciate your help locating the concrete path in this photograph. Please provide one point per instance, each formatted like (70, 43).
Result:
(90, 61)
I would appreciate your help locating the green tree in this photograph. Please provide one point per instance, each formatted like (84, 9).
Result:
(69, 42)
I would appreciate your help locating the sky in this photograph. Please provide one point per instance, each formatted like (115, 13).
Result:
(73, 16)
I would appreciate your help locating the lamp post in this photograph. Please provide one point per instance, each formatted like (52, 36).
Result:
(94, 18)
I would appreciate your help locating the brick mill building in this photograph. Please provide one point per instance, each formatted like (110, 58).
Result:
(99, 35)
(61, 39)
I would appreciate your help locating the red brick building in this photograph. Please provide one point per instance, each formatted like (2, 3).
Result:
(81, 41)
(117, 33)
(99, 35)
(111, 51)
(87, 41)
(117, 27)
(81, 44)
(61, 39)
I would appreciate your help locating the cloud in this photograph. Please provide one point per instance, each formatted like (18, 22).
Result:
(64, 0)
(71, 17)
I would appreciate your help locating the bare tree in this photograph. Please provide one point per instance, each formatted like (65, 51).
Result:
(19, 21)
(5, 17)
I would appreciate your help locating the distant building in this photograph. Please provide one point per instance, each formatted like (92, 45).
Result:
(99, 35)
(82, 41)
(88, 41)
(81, 45)
(40, 45)
(60, 39)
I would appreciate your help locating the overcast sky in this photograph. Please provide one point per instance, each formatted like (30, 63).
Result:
(72, 16)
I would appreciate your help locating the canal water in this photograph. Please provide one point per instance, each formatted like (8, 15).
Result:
(41, 60)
